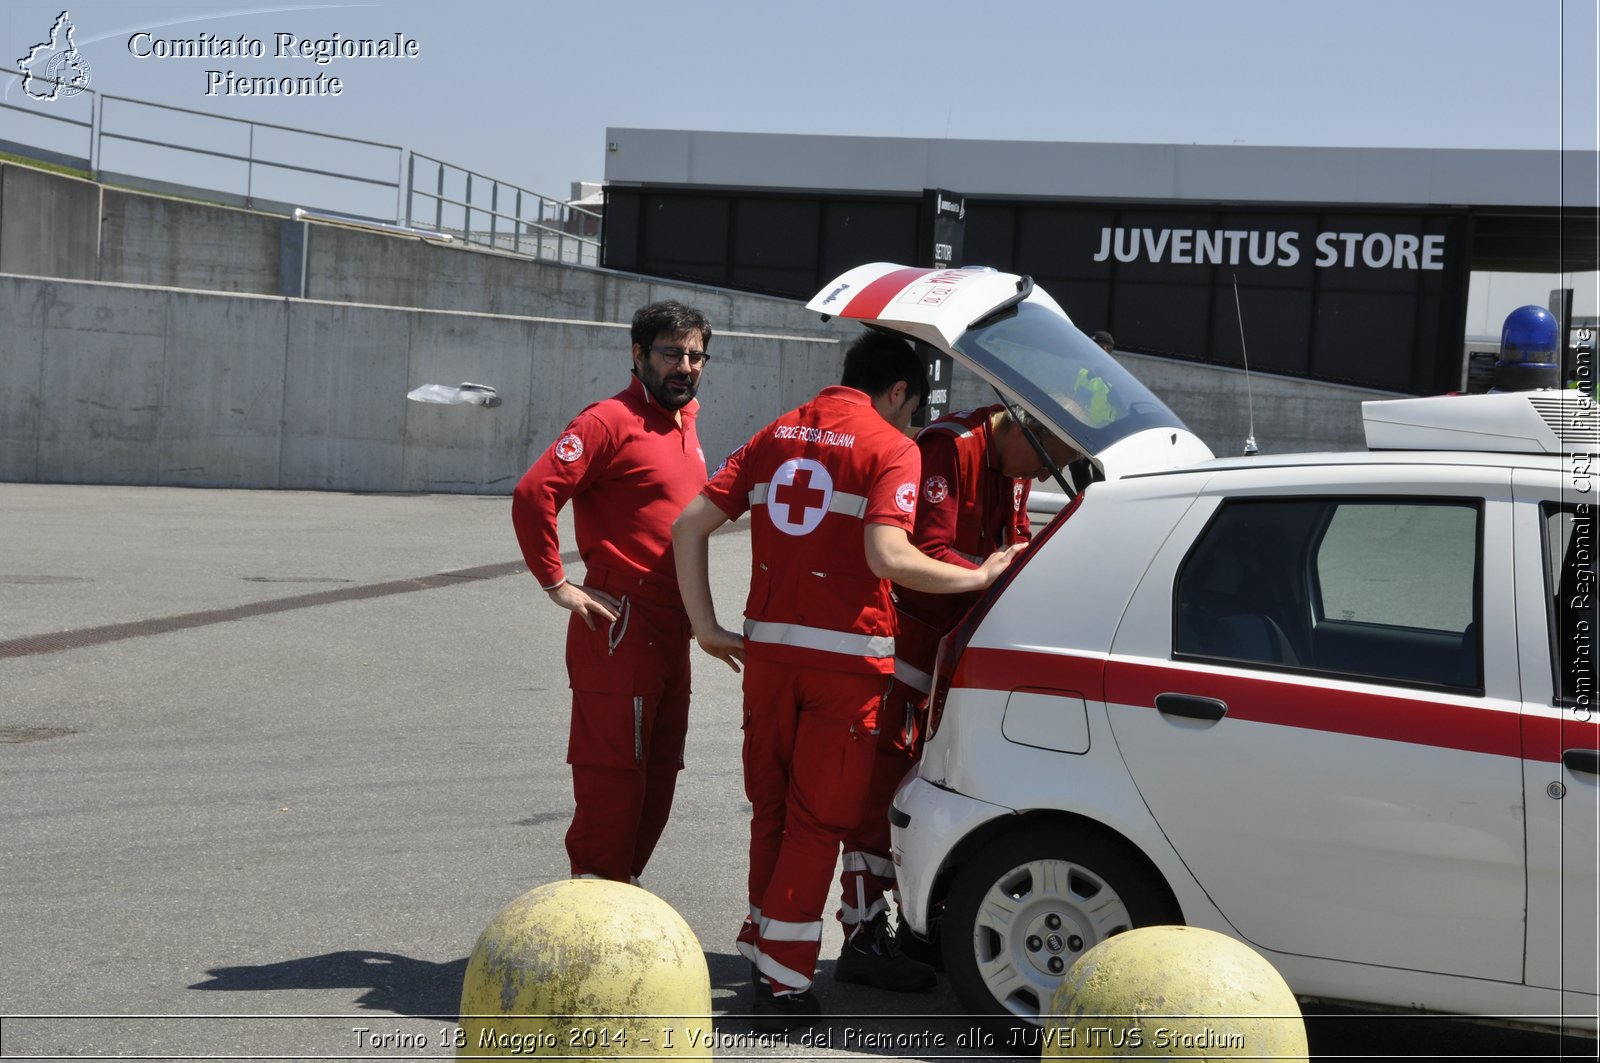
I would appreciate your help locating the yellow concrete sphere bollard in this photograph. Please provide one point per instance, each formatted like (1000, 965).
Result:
(586, 968)
(1174, 991)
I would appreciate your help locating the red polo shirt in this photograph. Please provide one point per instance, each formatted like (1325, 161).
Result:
(629, 469)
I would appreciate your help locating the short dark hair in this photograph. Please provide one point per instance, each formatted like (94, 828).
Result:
(668, 318)
(877, 361)
(1103, 338)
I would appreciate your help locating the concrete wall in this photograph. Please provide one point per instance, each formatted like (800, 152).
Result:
(180, 244)
(1291, 415)
(345, 265)
(105, 383)
(55, 226)
(148, 340)
(49, 224)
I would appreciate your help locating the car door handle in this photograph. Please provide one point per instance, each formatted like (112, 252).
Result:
(1191, 705)
(1584, 760)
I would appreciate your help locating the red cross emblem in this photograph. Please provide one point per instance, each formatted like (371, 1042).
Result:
(569, 447)
(905, 496)
(936, 490)
(800, 493)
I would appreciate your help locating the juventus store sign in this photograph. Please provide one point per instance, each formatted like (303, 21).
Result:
(1232, 247)
(1370, 298)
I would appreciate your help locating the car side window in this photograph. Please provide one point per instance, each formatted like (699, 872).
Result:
(1402, 565)
(1570, 577)
(1367, 589)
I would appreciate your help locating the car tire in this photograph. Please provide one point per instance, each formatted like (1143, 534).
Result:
(1028, 904)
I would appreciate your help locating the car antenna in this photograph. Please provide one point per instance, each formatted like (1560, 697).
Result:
(1249, 397)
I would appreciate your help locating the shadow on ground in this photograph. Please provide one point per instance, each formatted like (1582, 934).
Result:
(392, 982)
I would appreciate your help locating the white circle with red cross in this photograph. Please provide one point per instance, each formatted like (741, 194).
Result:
(798, 496)
(905, 496)
(569, 447)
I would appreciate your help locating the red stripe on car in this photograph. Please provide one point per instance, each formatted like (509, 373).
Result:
(1268, 699)
(870, 301)
(987, 669)
(1548, 737)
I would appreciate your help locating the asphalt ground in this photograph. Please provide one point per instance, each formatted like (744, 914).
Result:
(271, 761)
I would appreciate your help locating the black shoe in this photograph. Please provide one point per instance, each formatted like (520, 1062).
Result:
(774, 1013)
(871, 957)
(920, 949)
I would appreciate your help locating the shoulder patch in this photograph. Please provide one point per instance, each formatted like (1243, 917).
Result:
(905, 496)
(569, 447)
(936, 489)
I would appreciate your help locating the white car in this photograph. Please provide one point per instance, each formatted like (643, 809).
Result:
(1338, 706)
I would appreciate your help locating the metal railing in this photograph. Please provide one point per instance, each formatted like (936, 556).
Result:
(62, 133)
(262, 166)
(266, 158)
(490, 213)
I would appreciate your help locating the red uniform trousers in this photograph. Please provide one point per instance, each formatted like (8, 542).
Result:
(810, 735)
(868, 868)
(630, 717)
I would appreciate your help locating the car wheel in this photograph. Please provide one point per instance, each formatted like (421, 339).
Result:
(1027, 905)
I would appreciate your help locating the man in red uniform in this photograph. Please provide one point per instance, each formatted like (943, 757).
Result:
(832, 491)
(976, 471)
(629, 464)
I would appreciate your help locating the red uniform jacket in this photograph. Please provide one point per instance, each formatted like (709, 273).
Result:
(967, 511)
(813, 480)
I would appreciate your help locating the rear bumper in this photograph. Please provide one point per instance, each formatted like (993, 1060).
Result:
(926, 823)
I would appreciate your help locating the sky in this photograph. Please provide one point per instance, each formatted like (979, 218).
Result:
(524, 91)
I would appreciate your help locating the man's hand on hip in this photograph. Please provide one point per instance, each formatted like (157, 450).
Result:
(587, 602)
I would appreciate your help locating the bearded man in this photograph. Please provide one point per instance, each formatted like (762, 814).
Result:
(629, 464)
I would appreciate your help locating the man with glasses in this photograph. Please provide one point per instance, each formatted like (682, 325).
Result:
(629, 464)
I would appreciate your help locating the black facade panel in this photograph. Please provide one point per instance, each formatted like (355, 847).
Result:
(1565, 242)
(1164, 317)
(1365, 297)
(1365, 338)
(866, 230)
(620, 248)
(685, 236)
(1278, 327)
(991, 233)
(1087, 302)
(775, 244)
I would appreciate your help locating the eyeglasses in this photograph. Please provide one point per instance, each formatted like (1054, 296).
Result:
(674, 355)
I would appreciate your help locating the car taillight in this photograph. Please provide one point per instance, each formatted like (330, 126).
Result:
(953, 645)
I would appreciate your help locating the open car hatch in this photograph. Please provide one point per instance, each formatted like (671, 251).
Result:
(1016, 337)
